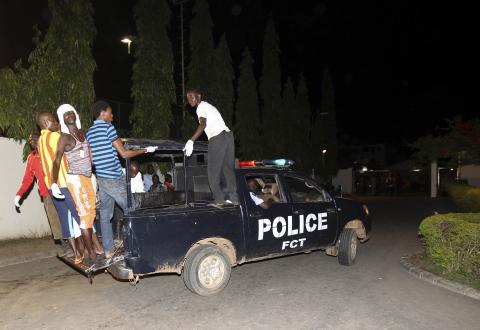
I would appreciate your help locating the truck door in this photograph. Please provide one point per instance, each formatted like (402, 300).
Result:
(264, 233)
(315, 209)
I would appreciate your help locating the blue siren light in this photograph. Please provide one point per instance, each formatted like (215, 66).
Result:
(278, 162)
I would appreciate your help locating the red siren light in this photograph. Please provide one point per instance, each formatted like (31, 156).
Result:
(247, 163)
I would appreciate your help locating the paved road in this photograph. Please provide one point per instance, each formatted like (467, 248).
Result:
(308, 291)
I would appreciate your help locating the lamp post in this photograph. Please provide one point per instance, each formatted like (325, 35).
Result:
(182, 51)
(128, 40)
(324, 151)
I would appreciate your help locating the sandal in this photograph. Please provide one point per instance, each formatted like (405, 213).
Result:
(78, 260)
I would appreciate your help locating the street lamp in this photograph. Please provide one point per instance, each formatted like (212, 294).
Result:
(127, 40)
(324, 151)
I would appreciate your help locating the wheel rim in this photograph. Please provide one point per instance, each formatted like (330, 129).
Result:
(353, 246)
(211, 272)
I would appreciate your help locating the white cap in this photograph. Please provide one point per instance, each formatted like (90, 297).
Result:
(61, 111)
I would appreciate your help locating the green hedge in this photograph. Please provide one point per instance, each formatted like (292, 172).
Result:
(452, 242)
(466, 198)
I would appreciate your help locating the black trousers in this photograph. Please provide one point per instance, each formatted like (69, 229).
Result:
(221, 164)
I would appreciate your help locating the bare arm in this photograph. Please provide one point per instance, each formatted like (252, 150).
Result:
(62, 143)
(124, 153)
(200, 128)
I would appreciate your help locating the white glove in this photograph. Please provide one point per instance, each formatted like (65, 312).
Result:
(188, 148)
(56, 192)
(150, 149)
(17, 200)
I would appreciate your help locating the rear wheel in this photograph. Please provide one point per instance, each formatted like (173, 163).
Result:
(347, 247)
(207, 270)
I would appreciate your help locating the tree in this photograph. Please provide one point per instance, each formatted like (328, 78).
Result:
(457, 144)
(286, 141)
(200, 72)
(324, 133)
(222, 92)
(153, 89)
(60, 71)
(302, 126)
(247, 123)
(14, 120)
(270, 91)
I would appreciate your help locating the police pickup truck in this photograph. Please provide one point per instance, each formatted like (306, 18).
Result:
(181, 231)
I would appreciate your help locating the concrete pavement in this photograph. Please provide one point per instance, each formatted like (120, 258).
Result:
(18, 251)
(306, 291)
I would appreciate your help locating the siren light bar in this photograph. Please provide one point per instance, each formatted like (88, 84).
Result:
(266, 162)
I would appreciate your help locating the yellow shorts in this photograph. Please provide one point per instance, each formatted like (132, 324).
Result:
(81, 189)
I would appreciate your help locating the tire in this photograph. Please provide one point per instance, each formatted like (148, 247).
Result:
(347, 247)
(207, 270)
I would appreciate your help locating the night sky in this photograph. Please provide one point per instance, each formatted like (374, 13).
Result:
(398, 68)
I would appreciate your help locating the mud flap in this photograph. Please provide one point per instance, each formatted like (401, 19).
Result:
(89, 270)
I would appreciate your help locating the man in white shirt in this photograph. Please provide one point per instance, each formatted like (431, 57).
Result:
(221, 147)
(136, 182)
(253, 188)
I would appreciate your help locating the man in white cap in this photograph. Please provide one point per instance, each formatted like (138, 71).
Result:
(74, 146)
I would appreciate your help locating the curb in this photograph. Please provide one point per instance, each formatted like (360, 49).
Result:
(437, 280)
(32, 257)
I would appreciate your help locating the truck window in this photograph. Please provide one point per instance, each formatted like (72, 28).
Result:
(163, 180)
(266, 187)
(302, 191)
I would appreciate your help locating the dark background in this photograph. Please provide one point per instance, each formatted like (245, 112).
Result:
(399, 68)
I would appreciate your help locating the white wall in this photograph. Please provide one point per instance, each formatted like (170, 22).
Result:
(344, 178)
(471, 173)
(32, 221)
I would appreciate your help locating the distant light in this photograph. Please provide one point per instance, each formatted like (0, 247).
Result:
(324, 151)
(451, 169)
(128, 41)
(363, 169)
(416, 170)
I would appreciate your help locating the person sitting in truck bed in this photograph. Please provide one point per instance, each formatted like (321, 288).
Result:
(263, 200)
(136, 181)
(168, 182)
(156, 186)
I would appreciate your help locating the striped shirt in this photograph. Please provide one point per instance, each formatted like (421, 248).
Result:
(47, 147)
(100, 137)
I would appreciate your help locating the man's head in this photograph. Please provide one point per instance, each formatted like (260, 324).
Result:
(155, 179)
(252, 185)
(194, 97)
(46, 120)
(150, 169)
(32, 140)
(67, 116)
(103, 111)
(168, 178)
(134, 168)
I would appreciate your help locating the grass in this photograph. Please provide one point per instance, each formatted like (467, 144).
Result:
(471, 280)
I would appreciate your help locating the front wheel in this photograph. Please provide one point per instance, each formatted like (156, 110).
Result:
(207, 270)
(347, 247)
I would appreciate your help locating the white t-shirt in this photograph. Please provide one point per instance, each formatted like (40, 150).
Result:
(136, 184)
(215, 123)
(255, 199)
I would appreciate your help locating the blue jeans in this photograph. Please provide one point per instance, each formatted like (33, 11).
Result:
(110, 191)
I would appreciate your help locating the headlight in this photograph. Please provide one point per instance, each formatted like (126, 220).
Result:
(365, 208)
